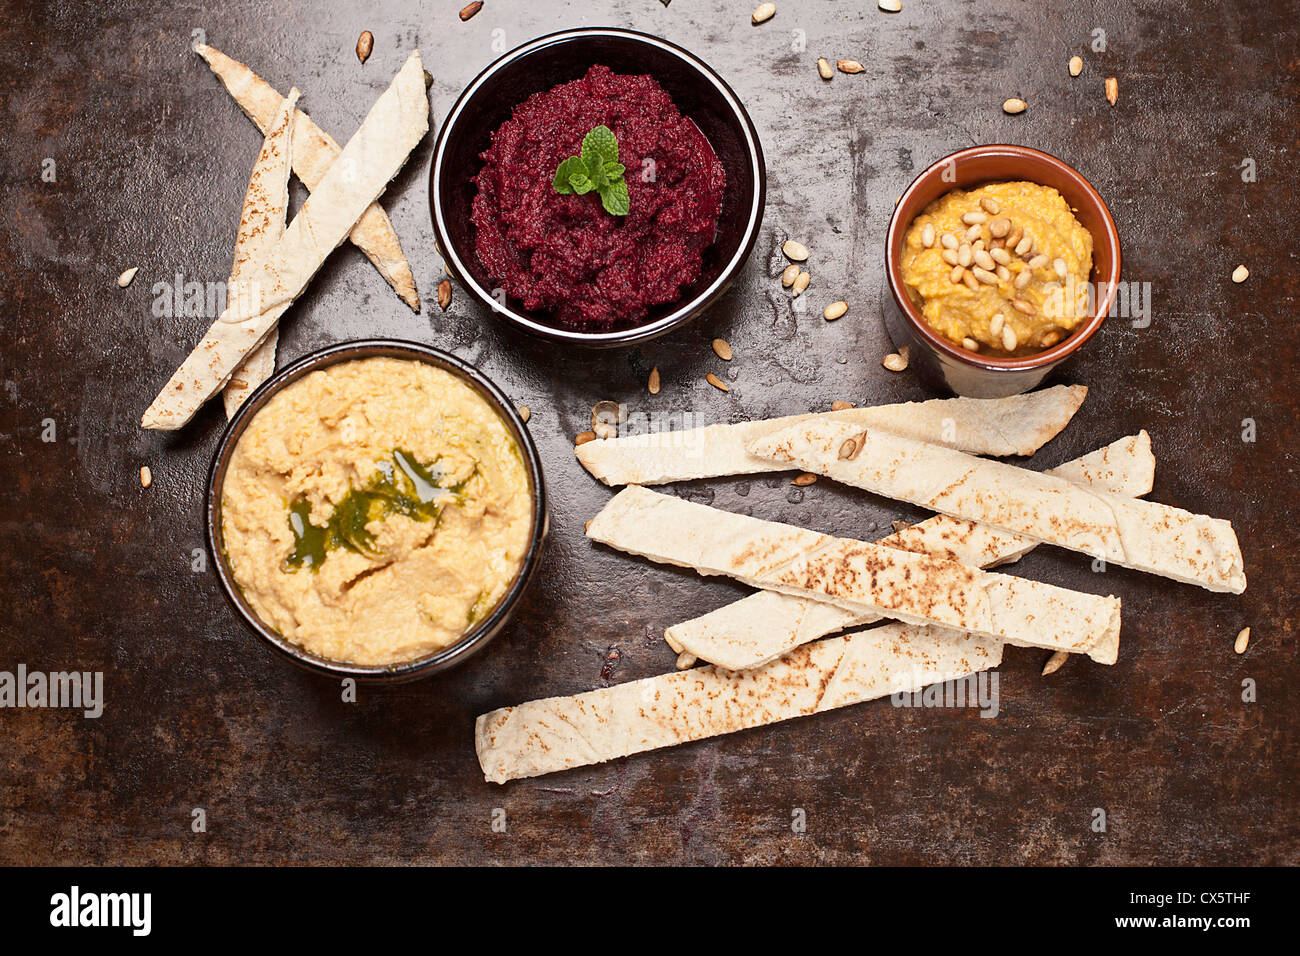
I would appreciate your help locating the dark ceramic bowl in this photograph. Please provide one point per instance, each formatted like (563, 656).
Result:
(474, 639)
(944, 364)
(699, 93)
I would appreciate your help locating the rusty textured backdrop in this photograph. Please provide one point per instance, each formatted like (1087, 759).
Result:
(150, 158)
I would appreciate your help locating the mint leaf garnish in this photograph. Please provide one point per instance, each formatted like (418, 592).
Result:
(615, 200)
(598, 169)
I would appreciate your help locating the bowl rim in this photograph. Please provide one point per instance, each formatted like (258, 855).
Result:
(1047, 357)
(685, 310)
(474, 639)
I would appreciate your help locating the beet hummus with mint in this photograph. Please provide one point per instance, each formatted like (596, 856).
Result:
(564, 252)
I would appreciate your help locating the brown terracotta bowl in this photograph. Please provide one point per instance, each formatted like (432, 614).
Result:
(947, 365)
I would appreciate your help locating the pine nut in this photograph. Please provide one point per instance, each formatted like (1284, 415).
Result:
(1024, 245)
(927, 235)
(794, 251)
(1001, 256)
(1055, 661)
(1240, 274)
(834, 311)
(890, 6)
(652, 386)
(1003, 273)
(1000, 227)
(764, 12)
(1014, 105)
(840, 405)
(971, 218)
(969, 344)
(583, 437)
(996, 323)
(1243, 638)
(1009, 341)
(127, 277)
(964, 255)
(824, 68)
(983, 275)
(146, 476)
(973, 232)
(788, 276)
(1038, 261)
(1024, 278)
(1076, 65)
(949, 241)
(849, 66)
(950, 257)
(990, 205)
(716, 382)
(1013, 237)
(971, 282)
(1026, 308)
(1061, 268)
(804, 480)
(1050, 339)
(722, 349)
(800, 283)
(984, 260)
(895, 363)
(955, 275)
(1112, 90)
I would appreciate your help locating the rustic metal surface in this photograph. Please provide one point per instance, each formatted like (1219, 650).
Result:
(151, 158)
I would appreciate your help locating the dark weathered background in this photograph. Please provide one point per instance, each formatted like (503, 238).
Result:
(151, 160)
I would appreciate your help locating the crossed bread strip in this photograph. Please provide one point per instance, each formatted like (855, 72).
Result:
(1130, 532)
(261, 224)
(754, 630)
(1019, 425)
(856, 576)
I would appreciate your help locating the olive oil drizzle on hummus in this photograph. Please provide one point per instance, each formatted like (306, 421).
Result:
(409, 489)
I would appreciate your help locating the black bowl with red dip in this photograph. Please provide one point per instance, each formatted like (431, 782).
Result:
(572, 259)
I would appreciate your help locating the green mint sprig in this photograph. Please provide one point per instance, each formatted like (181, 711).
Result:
(597, 168)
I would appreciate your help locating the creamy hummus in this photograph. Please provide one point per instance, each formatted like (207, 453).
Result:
(375, 510)
(1002, 269)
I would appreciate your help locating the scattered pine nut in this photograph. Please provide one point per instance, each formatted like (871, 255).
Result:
(583, 437)
(800, 283)
(1014, 105)
(1054, 662)
(444, 294)
(1076, 65)
(653, 385)
(894, 362)
(804, 480)
(471, 9)
(840, 405)
(365, 43)
(127, 277)
(722, 349)
(1112, 90)
(794, 251)
(525, 413)
(990, 205)
(686, 660)
(1239, 274)
(716, 382)
(849, 66)
(764, 12)
(789, 275)
(1243, 639)
(834, 311)
(1009, 340)
(890, 6)
(969, 344)
(824, 68)
(146, 479)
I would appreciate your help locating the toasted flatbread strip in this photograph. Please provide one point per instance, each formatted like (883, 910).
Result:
(558, 733)
(398, 120)
(314, 151)
(261, 224)
(1019, 425)
(1132, 533)
(759, 628)
(856, 576)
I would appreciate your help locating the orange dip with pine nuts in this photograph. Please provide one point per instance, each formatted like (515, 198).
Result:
(1001, 269)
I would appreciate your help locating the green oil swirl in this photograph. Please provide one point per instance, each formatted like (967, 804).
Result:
(400, 487)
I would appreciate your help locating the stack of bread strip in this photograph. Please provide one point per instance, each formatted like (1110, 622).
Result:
(273, 263)
(770, 655)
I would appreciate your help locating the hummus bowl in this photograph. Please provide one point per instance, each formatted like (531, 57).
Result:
(977, 171)
(376, 511)
(544, 64)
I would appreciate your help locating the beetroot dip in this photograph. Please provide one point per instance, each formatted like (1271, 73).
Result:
(562, 253)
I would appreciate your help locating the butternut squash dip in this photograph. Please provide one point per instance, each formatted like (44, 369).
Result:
(1002, 269)
(375, 510)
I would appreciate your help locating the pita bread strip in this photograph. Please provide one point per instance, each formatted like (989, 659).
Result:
(1019, 425)
(261, 223)
(395, 124)
(754, 630)
(559, 733)
(856, 576)
(1143, 535)
(314, 151)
